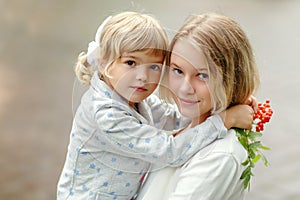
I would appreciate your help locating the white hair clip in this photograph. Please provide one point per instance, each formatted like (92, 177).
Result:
(93, 49)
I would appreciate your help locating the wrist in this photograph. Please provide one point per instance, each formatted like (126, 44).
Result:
(228, 121)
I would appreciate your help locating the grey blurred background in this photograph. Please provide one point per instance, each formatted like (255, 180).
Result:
(39, 44)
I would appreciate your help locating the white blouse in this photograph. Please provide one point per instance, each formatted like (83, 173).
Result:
(213, 173)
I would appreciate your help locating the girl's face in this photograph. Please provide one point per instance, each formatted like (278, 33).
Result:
(135, 75)
(188, 81)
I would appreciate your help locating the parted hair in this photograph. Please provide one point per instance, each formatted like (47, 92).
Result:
(124, 32)
(233, 75)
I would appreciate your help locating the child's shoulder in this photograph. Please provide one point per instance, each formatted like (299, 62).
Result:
(152, 98)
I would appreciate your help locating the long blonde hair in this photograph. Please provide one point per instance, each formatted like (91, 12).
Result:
(233, 72)
(124, 32)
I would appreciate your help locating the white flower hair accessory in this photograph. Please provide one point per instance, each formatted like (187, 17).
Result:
(93, 49)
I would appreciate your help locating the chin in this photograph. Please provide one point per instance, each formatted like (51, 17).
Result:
(190, 115)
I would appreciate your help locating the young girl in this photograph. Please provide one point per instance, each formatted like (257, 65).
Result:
(211, 68)
(113, 140)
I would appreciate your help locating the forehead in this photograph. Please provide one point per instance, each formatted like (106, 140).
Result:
(148, 55)
(185, 50)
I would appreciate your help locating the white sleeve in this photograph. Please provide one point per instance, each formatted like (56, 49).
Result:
(212, 177)
(129, 137)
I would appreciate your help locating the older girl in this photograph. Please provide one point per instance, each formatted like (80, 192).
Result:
(211, 68)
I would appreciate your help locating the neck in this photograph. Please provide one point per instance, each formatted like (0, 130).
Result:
(198, 120)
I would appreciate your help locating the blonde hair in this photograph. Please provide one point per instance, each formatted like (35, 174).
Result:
(124, 32)
(233, 75)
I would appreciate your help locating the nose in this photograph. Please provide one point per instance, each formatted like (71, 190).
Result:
(186, 86)
(142, 73)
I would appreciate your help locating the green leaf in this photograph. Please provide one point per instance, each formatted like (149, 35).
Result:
(256, 158)
(251, 153)
(243, 142)
(253, 135)
(246, 172)
(264, 147)
(266, 163)
(255, 145)
(242, 132)
(247, 182)
(250, 141)
(245, 162)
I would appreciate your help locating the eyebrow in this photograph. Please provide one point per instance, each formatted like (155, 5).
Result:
(175, 65)
(202, 69)
(198, 69)
(129, 56)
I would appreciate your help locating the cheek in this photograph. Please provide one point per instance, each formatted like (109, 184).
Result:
(173, 82)
(121, 80)
(154, 77)
(205, 93)
(173, 85)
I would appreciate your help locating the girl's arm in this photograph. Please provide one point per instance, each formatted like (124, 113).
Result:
(239, 116)
(167, 117)
(129, 137)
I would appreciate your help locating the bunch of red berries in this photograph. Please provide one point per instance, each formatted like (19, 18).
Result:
(262, 115)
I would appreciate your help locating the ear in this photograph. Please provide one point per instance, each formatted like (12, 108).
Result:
(101, 65)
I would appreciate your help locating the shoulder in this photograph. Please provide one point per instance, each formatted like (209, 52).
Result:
(100, 94)
(231, 146)
(158, 105)
(214, 172)
(153, 99)
(101, 103)
(227, 148)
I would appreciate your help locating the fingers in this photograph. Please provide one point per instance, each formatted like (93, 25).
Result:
(252, 101)
(249, 120)
(251, 111)
(240, 116)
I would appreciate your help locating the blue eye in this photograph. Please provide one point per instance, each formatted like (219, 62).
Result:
(155, 67)
(203, 76)
(177, 71)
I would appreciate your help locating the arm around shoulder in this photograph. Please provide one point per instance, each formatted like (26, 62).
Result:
(130, 137)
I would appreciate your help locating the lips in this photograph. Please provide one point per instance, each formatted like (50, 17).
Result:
(188, 102)
(139, 89)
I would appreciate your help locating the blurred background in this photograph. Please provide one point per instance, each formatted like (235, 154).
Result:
(39, 44)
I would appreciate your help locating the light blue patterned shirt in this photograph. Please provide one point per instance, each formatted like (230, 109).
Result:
(112, 145)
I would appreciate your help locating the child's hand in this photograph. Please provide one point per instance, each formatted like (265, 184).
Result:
(239, 116)
(252, 101)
